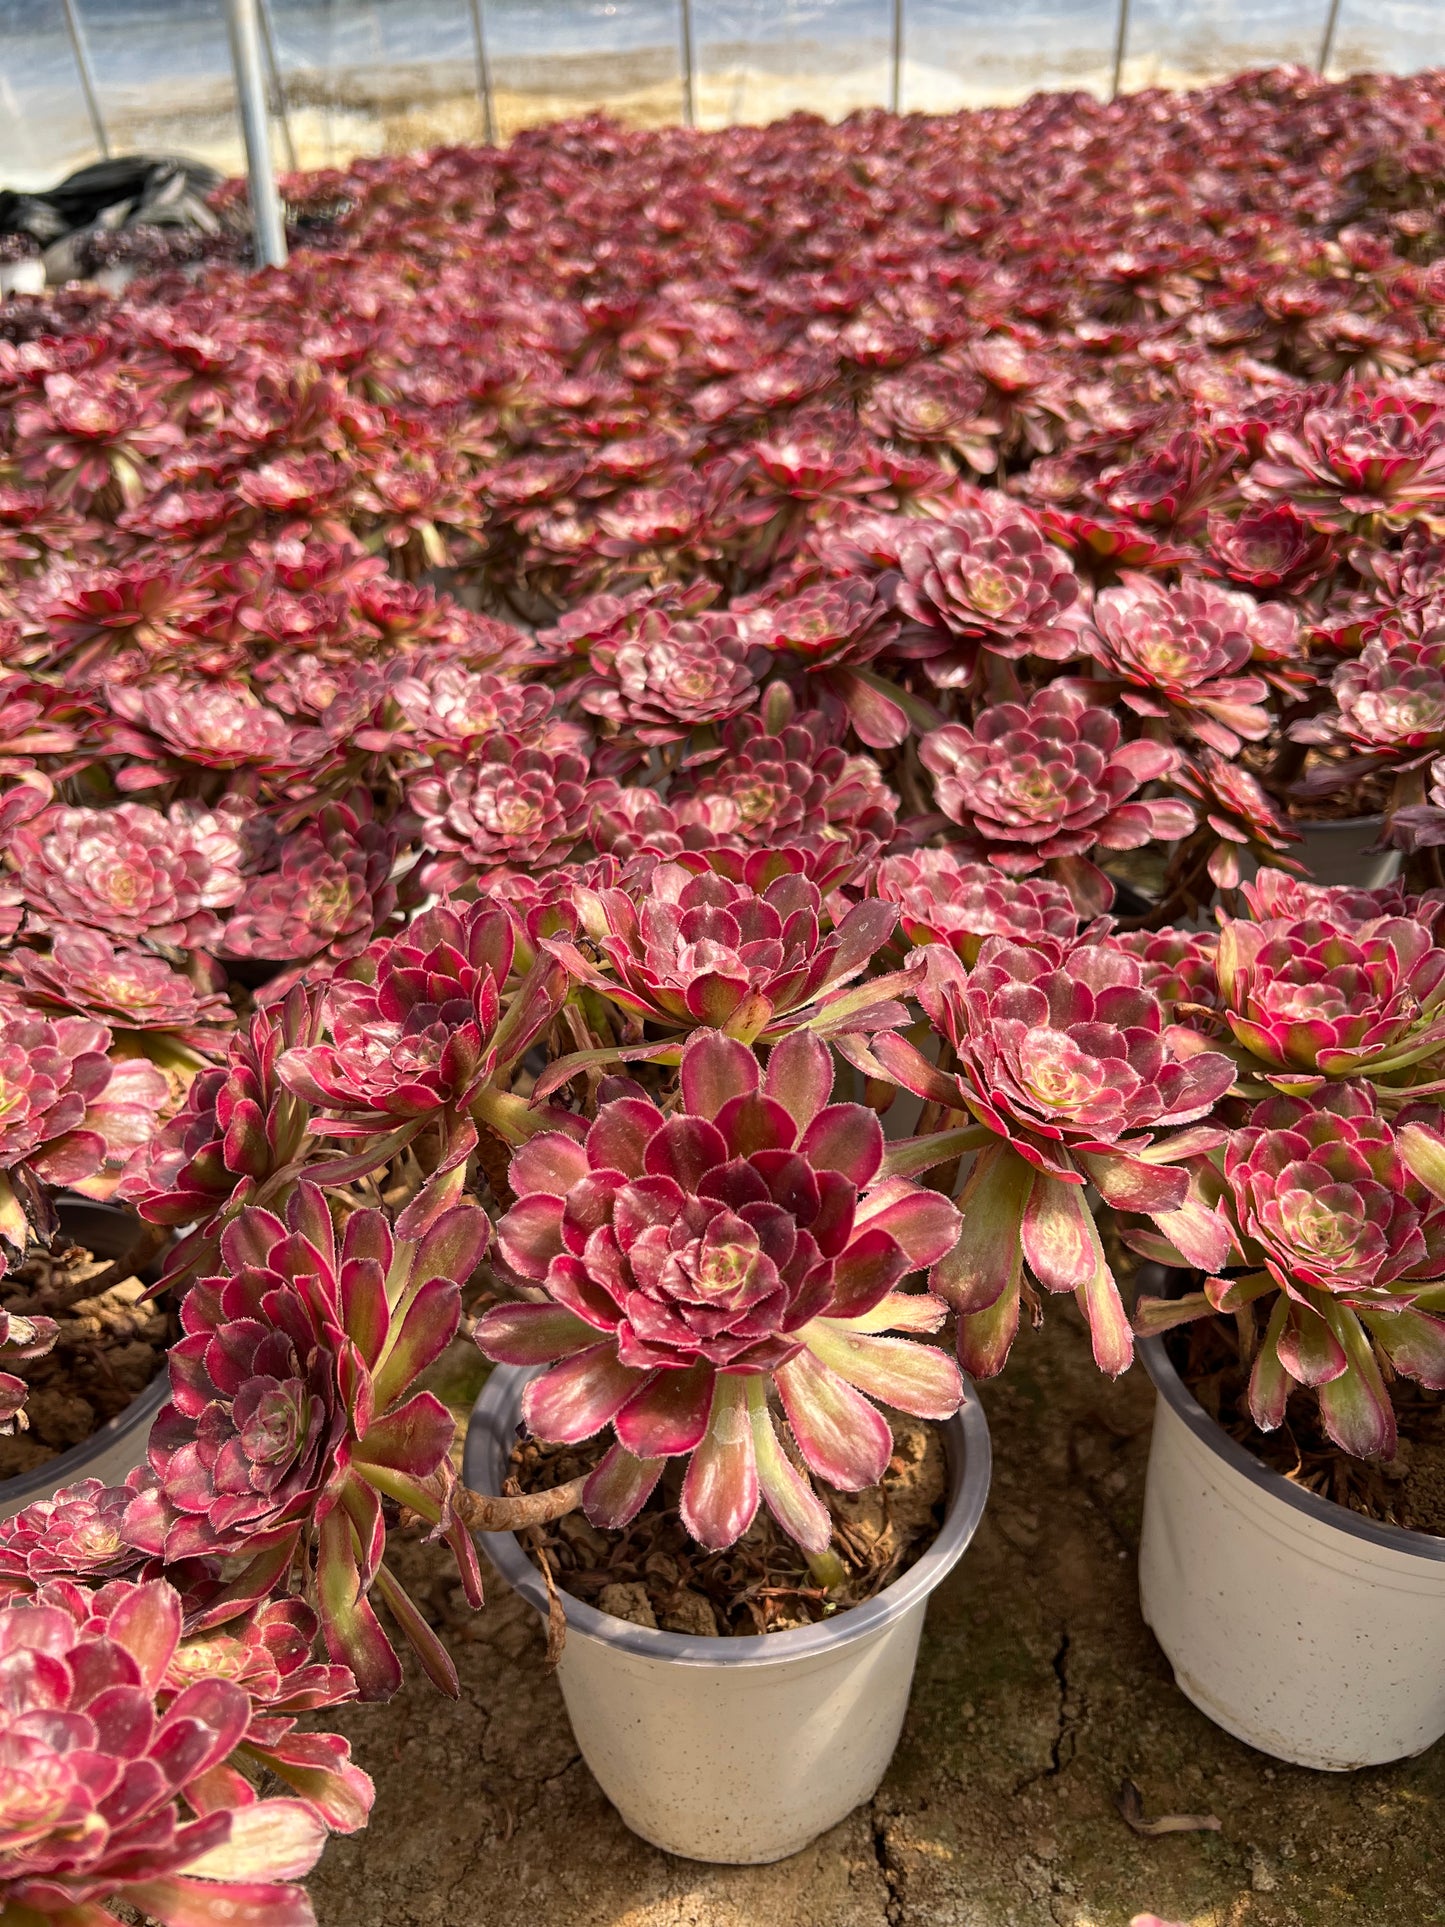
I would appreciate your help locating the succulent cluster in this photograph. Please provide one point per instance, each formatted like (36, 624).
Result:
(928, 589)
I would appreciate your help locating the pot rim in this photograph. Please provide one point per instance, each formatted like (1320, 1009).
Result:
(1308, 823)
(491, 1433)
(47, 1478)
(1354, 1525)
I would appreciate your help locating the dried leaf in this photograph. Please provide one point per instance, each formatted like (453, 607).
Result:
(1130, 1802)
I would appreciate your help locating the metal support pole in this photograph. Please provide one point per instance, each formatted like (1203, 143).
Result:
(80, 48)
(1328, 43)
(895, 69)
(266, 219)
(1121, 42)
(484, 73)
(689, 98)
(278, 87)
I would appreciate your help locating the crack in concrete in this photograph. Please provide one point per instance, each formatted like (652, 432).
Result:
(1065, 1742)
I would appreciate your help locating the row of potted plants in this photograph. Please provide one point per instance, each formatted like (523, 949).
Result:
(702, 760)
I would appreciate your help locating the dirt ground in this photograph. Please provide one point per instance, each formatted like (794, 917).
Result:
(1039, 1692)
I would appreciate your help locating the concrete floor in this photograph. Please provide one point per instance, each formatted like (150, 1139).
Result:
(1039, 1691)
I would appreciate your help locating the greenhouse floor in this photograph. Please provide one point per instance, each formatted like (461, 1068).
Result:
(1039, 1693)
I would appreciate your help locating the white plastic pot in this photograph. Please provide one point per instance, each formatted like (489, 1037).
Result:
(737, 1750)
(120, 1445)
(1297, 1625)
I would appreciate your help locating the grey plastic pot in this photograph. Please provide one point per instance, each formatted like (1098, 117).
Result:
(1342, 852)
(1299, 1626)
(737, 1750)
(120, 1444)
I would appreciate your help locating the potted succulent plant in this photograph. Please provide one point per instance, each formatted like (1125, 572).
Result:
(717, 1288)
(1290, 1568)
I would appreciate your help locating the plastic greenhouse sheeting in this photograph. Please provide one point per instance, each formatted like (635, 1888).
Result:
(366, 76)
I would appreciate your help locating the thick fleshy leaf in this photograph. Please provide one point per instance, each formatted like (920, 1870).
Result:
(786, 1493)
(684, 1149)
(1269, 1383)
(176, 1900)
(866, 1272)
(844, 1439)
(415, 1438)
(1356, 1406)
(1155, 1315)
(716, 1069)
(352, 1630)
(530, 1235)
(669, 1414)
(799, 1076)
(984, 1264)
(847, 1138)
(1129, 1184)
(147, 1623)
(550, 1162)
(428, 1327)
(436, 1661)
(1109, 1328)
(1413, 1341)
(985, 1338)
(531, 1334)
(1058, 1235)
(1423, 1151)
(914, 1378)
(578, 1397)
(619, 1487)
(904, 1311)
(925, 1223)
(1308, 1349)
(270, 1839)
(720, 1492)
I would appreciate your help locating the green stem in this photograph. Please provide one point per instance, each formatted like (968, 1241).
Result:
(828, 1569)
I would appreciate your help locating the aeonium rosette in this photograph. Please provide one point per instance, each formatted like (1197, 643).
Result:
(1070, 1071)
(294, 1413)
(427, 1033)
(119, 1782)
(69, 1116)
(745, 1250)
(1324, 996)
(686, 947)
(1315, 1215)
(1048, 781)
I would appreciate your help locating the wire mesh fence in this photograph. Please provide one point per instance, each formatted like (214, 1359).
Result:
(79, 78)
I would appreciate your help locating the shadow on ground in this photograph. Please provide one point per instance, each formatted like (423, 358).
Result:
(1039, 1691)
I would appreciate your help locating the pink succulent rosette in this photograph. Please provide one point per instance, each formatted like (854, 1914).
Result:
(943, 897)
(424, 1036)
(1355, 457)
(987, 578)
(294, 1412)
(330, 893)
(68, 1116)
(1071, 1072)
(1390, 712)
(1308, 1000)
(125, 988)
(1049, 780)
(667, 676)
(689, 948)
(129, 871)
(707, 1267)
(1321, 1221)
(1178, 654)
(506, 807)
(113, 1788)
